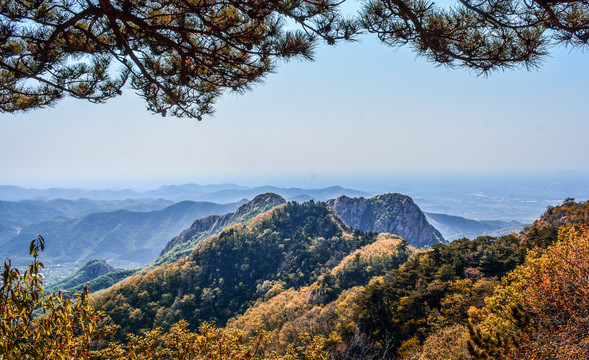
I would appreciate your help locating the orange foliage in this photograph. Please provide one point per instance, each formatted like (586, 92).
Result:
(557, 299)
(544, 312)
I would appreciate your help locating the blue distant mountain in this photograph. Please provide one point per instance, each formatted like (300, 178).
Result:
(456, 227)
(219, 193)
(26, 212)
(124, 238)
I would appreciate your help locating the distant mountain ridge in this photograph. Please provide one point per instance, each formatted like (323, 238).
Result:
(388, 213)
(15, 193)
(219, 193)
(23, 213)
(456, 227)
(124, 238)
(179, 247)
(7, 232)
(26, 212)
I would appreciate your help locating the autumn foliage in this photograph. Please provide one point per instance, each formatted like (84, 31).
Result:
(36, 326)
(542, 311)
(344, 295)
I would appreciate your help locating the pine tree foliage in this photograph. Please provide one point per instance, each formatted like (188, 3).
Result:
(480, 34)
(179, 55)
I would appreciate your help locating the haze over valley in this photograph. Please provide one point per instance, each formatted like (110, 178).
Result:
(130, 228)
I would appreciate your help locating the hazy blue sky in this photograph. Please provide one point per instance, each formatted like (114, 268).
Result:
(360, 108)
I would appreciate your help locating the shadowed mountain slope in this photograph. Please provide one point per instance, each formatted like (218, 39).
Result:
(184, 243)
(87, 272)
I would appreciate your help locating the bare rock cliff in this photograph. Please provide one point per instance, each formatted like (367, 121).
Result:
(391, 213)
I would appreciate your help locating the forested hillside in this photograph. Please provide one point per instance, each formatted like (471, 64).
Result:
(289, 246)
(424, 309)
(300, 284)
(184, 243)
(325, 307)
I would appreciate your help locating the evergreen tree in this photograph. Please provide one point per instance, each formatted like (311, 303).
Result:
(482, 35)
(179, 55)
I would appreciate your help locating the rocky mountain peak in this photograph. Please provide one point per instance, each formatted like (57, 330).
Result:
(265, 201)
(392, 213)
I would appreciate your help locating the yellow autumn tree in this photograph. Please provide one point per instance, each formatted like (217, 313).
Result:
(36, 326)
(541, 310)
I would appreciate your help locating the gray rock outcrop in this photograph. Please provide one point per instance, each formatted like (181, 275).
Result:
(392, 213)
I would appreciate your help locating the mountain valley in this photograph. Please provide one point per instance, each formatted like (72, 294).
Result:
(346, 275)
